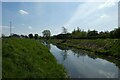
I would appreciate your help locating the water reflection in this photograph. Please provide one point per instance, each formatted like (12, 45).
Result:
(77, 52)
(47, 44)
(80, 64)
(64, 51)
(62, 47)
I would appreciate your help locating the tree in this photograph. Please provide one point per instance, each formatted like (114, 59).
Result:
(63, 36)
(117, 32)
(64, 30)
(92, 34)
(105, 34)
(83, 34)
(3, 35)
(46, 33)
(79, 33)
(15, 35)
(78, 29)
(73, 32)
(26, 36)
(30, 36)
(36, 36)
(22, 36)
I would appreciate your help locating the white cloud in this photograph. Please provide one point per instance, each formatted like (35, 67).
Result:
(108, 3)
(104, 16)
(107, 74)
(54, 0)
(29, 27)
(104, 62)
(6, 27)
(87, 11)
(22, 24)
(82, 11)
(23, 12)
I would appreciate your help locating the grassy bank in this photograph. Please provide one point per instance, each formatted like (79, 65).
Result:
(0, 58)
(107, 47)
(27, 58)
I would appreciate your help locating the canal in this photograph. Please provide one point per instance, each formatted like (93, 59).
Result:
(79, 64)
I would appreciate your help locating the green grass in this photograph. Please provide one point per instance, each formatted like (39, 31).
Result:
(0, 58)
(27, 58)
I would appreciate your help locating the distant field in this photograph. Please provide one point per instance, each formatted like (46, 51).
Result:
(28, 58)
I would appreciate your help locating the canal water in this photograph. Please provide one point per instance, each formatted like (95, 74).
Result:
(79, 64)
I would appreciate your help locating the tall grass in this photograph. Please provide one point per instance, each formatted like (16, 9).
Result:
(28, 58)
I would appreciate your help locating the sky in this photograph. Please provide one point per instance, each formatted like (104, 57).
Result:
(35, 17)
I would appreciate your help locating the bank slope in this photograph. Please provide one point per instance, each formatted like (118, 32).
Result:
(106, 47)
(27, 58)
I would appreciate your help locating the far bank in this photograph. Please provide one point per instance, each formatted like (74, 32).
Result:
(106, 47)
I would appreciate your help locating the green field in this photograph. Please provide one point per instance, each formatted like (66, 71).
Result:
(28, 58)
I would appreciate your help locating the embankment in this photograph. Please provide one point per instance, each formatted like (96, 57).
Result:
(106, 47)
(28, 58)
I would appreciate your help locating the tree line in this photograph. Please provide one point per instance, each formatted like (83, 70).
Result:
(75, 34)
(46, 34)
(31, 36)
(90, 34)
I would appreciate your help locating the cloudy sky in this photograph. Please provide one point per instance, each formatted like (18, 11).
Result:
(34, 17)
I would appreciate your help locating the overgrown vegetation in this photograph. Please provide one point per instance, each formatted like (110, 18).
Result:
(102, 43)
(90, 34)
(106, 47)
(28, 58)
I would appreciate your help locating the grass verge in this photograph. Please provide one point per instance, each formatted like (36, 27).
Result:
(28, 58)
